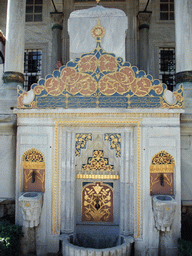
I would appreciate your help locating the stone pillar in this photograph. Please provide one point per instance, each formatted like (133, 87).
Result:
(57, 25)
(144, 20)
(15, 40)
(183, 27)
(183, 34)
(13, 75)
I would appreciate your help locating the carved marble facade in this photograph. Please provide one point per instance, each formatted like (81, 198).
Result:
(104, 128)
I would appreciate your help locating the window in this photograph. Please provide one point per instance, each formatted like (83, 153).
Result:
(166, 9)
(32, 67)
(34, 10)
(167, 66)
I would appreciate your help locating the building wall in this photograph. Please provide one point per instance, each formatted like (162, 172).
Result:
(38, 35)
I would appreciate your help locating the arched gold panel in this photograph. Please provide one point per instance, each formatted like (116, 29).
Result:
(33, 164)
(162, 174)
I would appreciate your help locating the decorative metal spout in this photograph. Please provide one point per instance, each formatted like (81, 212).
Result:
(33, 177)
(162, 180)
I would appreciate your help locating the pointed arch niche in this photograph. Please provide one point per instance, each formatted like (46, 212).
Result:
(162, 172)
(33, 165)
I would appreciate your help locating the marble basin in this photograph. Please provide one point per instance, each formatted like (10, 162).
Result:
(121, 249)
(163, 209)
(164, 198)
(31, 204)
(31, 194)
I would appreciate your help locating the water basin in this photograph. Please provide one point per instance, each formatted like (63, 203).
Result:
(121, 246)
(164, 198)
(31, 194)
(163, 210)
(31, 204)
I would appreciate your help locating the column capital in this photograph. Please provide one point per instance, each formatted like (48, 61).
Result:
(144, 19)
(56, 20)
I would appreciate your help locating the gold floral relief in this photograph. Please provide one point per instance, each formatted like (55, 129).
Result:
(97, 203)
(115, 142)
(162, 158)
(97, 163)
(80, 142)
(32, 156)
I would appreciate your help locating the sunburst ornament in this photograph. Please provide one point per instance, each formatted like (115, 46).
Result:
(98, 31)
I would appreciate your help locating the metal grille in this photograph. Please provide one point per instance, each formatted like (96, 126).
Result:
(34, 10)
(32, 67)
(166, 9)
(167, 66)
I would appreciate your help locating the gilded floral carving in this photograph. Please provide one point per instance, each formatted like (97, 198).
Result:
(97, 203)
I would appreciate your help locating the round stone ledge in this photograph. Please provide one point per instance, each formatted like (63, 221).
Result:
(13, 77)
(185, 76)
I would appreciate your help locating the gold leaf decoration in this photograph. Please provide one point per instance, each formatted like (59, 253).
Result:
(97, 203)
(97, 163)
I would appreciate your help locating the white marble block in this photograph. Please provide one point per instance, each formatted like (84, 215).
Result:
(81, 22)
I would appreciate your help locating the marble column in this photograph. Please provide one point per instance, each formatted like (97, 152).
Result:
(183, 34)
(57, 25)
(144, 20)
(15, 40)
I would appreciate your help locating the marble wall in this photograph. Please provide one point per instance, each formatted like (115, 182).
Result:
(143, 134)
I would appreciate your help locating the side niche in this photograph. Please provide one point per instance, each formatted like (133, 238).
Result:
(33, 164)
(97, 202)
(162, 174)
